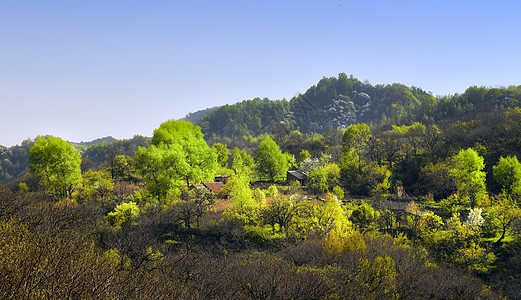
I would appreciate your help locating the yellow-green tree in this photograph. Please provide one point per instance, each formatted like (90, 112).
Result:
(271, 162)
(178, 153)
(507, 173)
(470, 177)
(56, 164)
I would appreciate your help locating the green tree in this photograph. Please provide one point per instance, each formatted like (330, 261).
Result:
(355, 138)
(303, 155)
(271, 162)
(178, 153)
(97, 184)
(222, 154)
(470, 177)
(123, 214)
(162, 168)
(324, 178)
(508, 174)
(122, 168)
(55, 163)
(363, 215)
(201, 159)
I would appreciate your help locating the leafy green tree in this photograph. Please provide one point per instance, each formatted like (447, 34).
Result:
(438, 179)
(502, 218)
(162, 168)
(122, 168)
(240, 193)
(55, 163)
(201, 159)
(363, 215)
(325, 178)
(508, 173)
(178, 153)
(271, 162)
(303, 155)
(470, 177)
(355, 138)
(123, 214)
(222, 154)
(97, 184)
(241, 162)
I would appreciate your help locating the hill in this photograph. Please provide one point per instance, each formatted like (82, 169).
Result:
(338, 102)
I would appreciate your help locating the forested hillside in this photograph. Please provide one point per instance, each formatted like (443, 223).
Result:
(338, 102)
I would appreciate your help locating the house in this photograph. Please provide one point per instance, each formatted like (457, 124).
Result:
(221, 178)
(215, 187)
(296, 175)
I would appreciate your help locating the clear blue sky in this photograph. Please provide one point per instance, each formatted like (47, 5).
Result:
(81, 70)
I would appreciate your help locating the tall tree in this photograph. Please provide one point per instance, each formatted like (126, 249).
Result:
(271, 162)
(55, 163)
(508, 173)
(178, 153)
(201, 159)
(222, 154)
(470, 177)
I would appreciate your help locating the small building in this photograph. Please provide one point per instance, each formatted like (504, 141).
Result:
(221, 178)
(296, 175)
(215, 187)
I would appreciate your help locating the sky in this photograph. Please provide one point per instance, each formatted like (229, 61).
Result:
(82, 70)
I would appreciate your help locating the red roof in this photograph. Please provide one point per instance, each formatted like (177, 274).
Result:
(215, 187)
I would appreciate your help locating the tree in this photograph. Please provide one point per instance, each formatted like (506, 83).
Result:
(55, 163)
(470, 179)
(97, 184)
(123, 214)
(356, 137)
(508, 173)
(271, 162)
(222, 154)
(201, 159)
(178, 153)
(162, 168)
(122, 168)
(303, 155)
(363, 215)
(241, 162)
(324, 178)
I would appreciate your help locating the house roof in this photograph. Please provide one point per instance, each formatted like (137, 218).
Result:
(298, 174)
(214, 186)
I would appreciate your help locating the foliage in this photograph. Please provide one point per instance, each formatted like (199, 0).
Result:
(178, 153)
(323, 179)
(55, 163)
(201, 159)
(339, 192)
(222, 154)
(272, 191)
(97, 184)
(507, 172)
(438, 180)
(363, 215)
(240, 193)
(123, 214)
(470, 178)
(271, 162)
(162, 168)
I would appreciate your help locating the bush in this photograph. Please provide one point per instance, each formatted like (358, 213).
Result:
(272, 191)
(339, 192)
